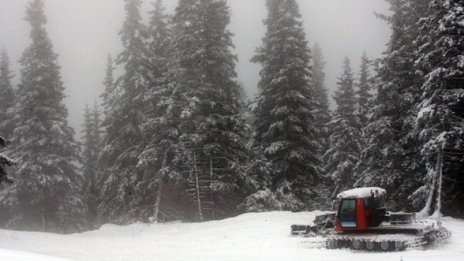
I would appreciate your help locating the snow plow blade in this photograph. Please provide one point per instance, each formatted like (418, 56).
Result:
(303, 230)
(321, 225)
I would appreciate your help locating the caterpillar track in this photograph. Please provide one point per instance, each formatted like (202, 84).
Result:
(387, 242)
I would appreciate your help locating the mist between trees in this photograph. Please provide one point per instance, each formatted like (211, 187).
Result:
(176, 138)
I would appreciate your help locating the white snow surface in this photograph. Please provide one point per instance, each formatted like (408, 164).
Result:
(10, 255)
(361, 192)
(254, 236)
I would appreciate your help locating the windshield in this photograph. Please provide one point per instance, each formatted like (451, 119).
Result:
(347, 213)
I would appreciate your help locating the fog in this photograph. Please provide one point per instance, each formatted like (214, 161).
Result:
(84, 32)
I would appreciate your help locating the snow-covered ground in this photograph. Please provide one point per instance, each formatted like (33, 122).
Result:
(263, 236)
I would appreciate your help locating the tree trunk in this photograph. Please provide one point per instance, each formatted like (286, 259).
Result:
(159, 192)
(197, 186)
(428, 209)
(213, 213)
(437, 212)
(43, 219)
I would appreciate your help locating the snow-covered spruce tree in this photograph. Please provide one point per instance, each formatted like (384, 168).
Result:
(7, 103)
(284, 131)
(321, 101)
(109, 97)
(158, 190)
(390, 159)
(346, 138)
(45, 195)
(211, 123)
(123, 141)
(441, 115)
(158, 43)
(90, 152)
(97, 123)
(4, 163)
(7, 97)
(363, 90)
(5, 180)
(109, 93)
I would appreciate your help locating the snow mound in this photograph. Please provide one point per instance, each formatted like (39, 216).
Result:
(253, 236)
(9, 255)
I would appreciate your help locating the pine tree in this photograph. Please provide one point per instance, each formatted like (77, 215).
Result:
(5, 180)
(284, 132)
(321, 111)
(390, 159)
(7, 99)
(90, 153)
(4, 163)
(7, 102)
(441, 117)
(346, 137)
(211, 122)
(108, 95)
(96, 122)
(123, 140)
(45, 195)
(363, 91)
(158, 36)
(7, 96)
(158, 190)
(109, 99)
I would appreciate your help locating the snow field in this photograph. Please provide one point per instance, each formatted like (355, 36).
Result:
(9, 255)
(255, 236)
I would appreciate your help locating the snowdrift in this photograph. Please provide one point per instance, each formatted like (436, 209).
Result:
(255, 236)
(10, 255)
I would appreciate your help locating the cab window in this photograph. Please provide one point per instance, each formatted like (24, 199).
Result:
(347, 213)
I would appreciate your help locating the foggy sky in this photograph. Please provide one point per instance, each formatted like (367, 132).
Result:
(84, 32)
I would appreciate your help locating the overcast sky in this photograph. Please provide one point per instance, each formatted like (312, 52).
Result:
(84, 32)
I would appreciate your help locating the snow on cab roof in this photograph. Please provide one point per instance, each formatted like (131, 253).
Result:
(361, 192)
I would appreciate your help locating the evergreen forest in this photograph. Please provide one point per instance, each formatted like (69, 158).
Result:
(174, 135)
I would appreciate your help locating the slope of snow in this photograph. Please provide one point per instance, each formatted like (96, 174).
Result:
(256, 236)
(9, 255)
